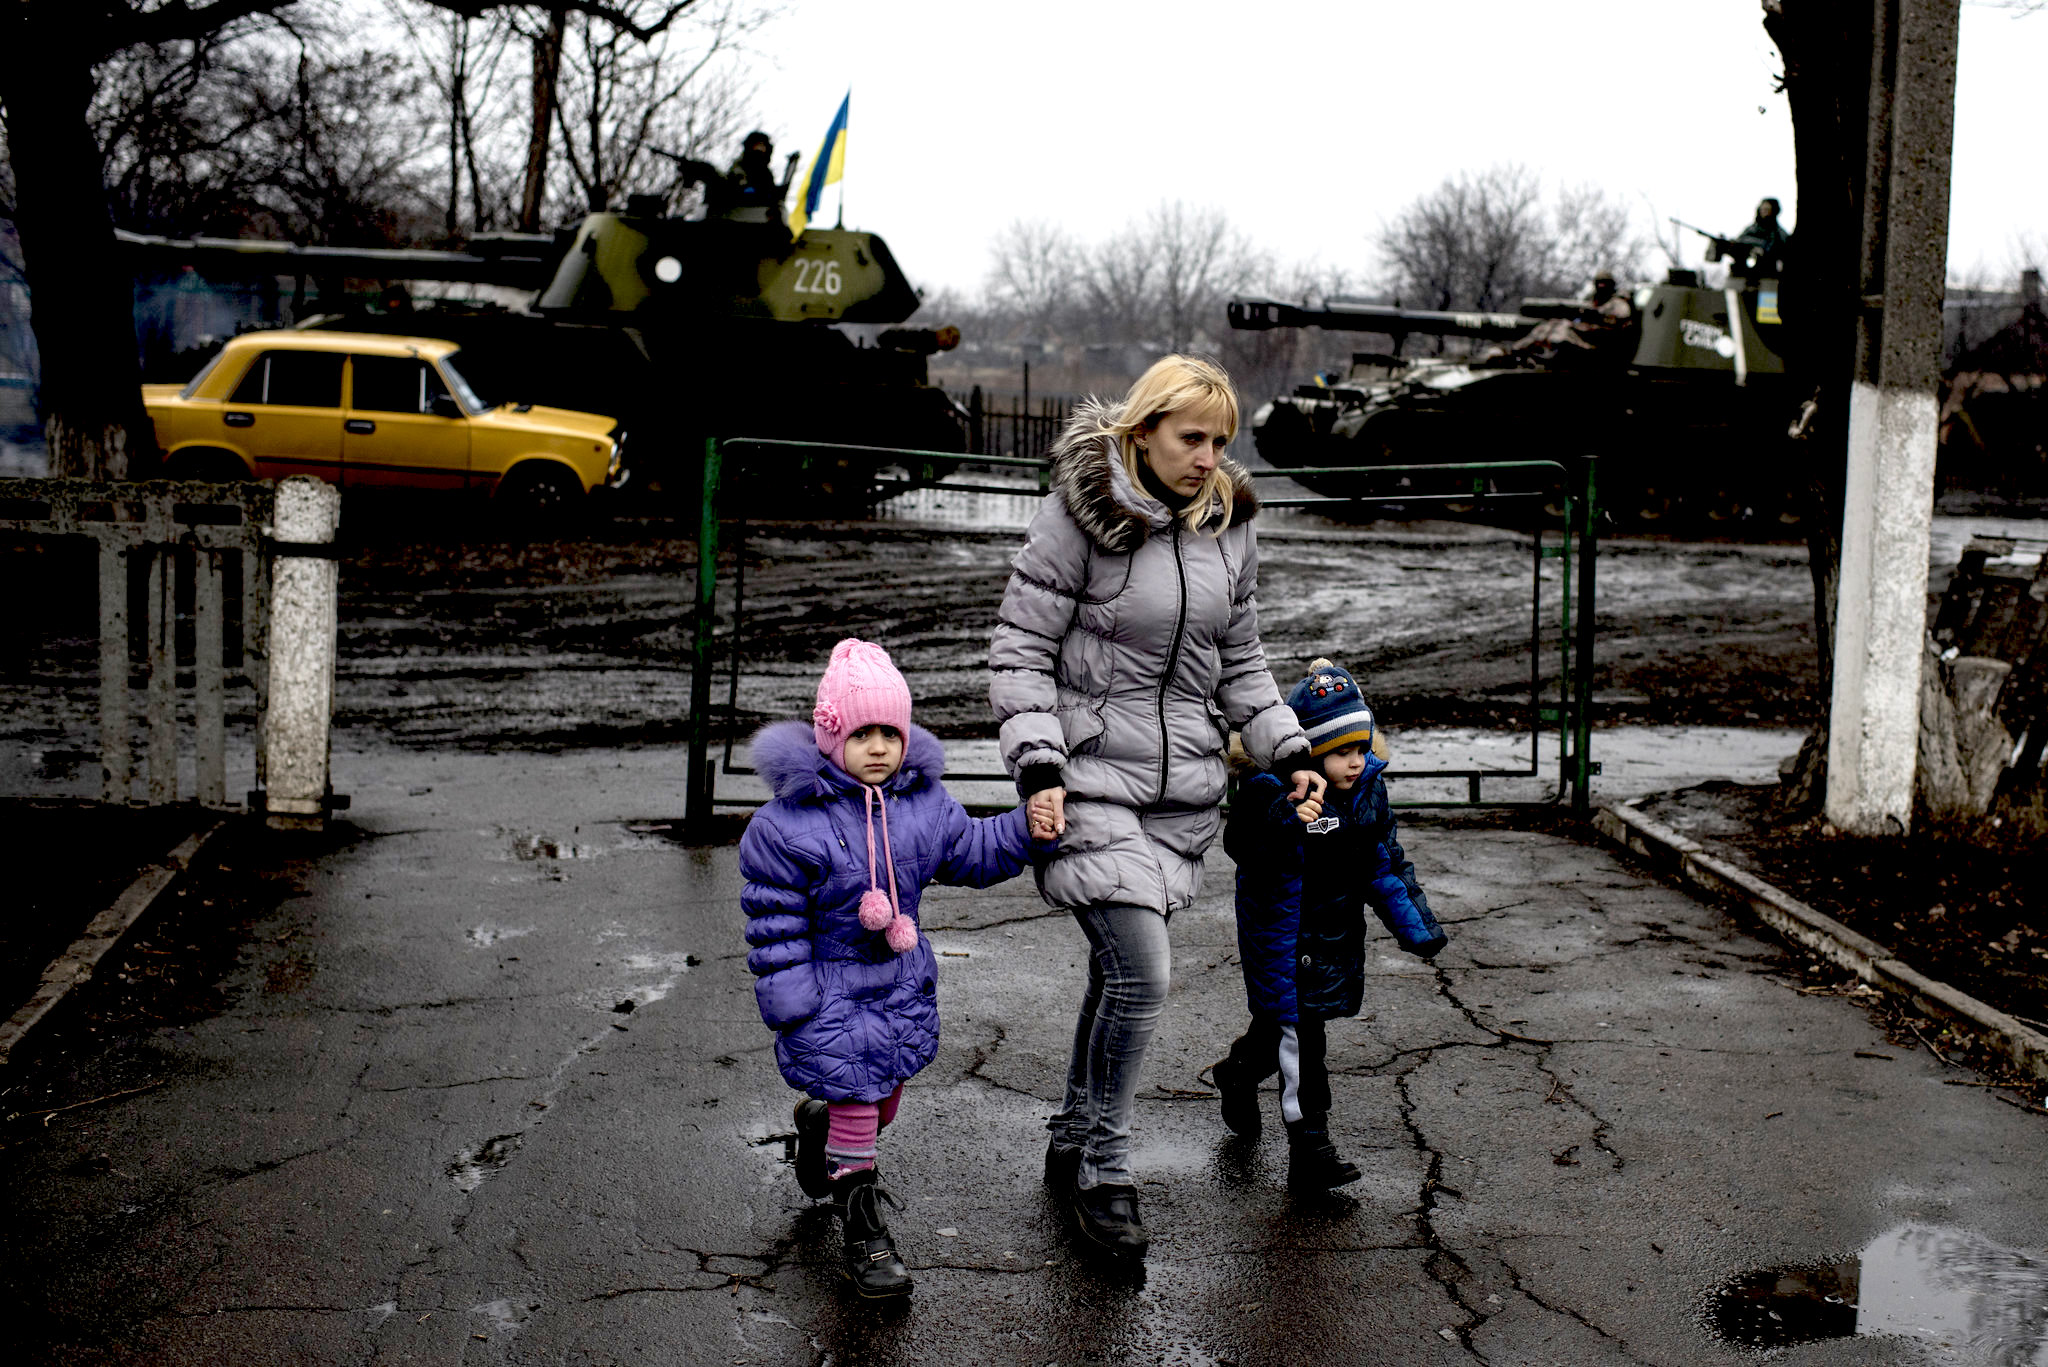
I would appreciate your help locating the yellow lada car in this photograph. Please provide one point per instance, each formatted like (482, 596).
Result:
(369, 412)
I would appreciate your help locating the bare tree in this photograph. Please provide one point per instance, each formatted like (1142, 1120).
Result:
(1118, 287)
(464, 57)
(547, 35)
(1033, 275)
(1201, 260)
(83, 313)
(1486, 240)
(623, 101)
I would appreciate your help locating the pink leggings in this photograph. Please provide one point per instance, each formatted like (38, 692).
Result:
(852, 1127)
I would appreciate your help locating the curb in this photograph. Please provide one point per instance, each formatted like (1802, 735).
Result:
(76, 964)
(1687, 860)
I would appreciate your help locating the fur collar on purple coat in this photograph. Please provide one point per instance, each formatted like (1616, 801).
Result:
(787, 756)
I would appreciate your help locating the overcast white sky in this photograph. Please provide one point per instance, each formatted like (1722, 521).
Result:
(1308, 123)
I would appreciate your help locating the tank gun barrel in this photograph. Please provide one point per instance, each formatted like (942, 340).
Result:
(1259, 315)
(523, 262)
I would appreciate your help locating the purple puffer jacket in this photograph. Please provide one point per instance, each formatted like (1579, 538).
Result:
(852, 1017)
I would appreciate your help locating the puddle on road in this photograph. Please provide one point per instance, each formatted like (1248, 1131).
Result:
(470, 1167)
(1951, 1290)
(528, 848)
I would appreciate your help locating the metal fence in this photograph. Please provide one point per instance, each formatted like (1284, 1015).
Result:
(1016, 426)
(1541, 491)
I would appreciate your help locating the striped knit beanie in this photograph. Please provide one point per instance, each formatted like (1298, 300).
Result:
(1331, 710)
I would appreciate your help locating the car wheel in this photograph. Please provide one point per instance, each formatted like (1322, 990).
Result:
(538, 494)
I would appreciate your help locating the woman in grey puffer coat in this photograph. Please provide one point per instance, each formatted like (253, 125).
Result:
(1126, 652)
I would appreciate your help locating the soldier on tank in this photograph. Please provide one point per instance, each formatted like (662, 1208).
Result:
(1603, 321)
(751, 192)
(1761, 246)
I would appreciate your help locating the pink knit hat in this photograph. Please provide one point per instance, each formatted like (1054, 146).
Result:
(861, 688)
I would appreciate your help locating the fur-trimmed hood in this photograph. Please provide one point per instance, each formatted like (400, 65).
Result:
(786, 755)
(1088, 472)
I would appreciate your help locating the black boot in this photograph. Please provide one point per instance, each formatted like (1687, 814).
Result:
(1312, 1161)
(1062, 1161)
(811, 1115)
(1108, 1218)
(1240, 1095)
(869, 1260)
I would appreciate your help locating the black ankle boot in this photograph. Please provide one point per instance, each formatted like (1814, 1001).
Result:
(811, 1117)
(869, 1260)
(1062, 1161)
(1312, 1161)
(1240, 1098)
(1108, 1218)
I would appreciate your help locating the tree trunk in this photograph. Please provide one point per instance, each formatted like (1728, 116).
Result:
(1826, 49)
(82, 304)
(547, 70)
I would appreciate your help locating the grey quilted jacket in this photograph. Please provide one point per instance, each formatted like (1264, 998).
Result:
(1126, 651)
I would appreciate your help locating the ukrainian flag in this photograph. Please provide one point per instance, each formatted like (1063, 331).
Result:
(828, 166)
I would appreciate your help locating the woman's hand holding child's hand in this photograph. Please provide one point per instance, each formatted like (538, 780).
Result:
(1308, 794)
(1046, 812)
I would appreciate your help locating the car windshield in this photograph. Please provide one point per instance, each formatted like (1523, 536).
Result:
(466, 395)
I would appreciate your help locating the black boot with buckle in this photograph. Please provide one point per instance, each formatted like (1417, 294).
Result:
(869, 1260)
(1107, 1216)
(1312, 1161)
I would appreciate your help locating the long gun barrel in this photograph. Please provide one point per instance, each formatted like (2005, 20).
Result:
(1722, 246)
(1258, 315)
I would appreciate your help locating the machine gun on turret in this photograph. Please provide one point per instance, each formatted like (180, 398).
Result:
(1745, 253)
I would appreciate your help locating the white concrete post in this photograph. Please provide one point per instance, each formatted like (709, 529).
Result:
(303, 613)
(1888, 504)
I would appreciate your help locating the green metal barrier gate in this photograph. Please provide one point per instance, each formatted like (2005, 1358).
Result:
(1567, 489)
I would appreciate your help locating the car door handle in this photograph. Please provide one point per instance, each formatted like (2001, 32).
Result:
(362, 427)
(239, 419)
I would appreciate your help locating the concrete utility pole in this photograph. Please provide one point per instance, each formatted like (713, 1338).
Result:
(304, 607)
(1889, 502)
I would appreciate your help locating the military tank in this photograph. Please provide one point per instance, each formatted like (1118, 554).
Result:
(1686, 403)
(682, 329)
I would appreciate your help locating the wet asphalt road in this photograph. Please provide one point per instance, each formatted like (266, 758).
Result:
(414, 1125)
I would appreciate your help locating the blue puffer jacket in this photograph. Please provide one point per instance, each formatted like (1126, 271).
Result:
(1301, 895)
(852, 1017)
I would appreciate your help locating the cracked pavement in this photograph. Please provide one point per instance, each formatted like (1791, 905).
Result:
(489, 1086)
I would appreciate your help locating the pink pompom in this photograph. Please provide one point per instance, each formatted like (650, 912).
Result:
(825, 715)
(902, 935)
(875, 911)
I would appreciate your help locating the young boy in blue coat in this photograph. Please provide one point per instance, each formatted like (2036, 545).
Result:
(1304, 875)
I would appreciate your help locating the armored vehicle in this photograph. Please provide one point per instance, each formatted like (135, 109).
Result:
(682, 329)
(1685, 401)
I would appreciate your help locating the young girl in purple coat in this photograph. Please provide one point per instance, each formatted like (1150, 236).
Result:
(834, 866)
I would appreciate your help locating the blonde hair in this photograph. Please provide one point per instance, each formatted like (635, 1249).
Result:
(1178, 384)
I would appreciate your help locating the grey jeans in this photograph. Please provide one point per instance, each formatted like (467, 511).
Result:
(1128, 968)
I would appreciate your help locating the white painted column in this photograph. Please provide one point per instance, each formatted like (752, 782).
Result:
(303, 620)
(1888, 503)
(1881, 618)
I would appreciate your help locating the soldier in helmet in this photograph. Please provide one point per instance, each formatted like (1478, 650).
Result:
(1761, 246)
(1602, 323)
(751, 192)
